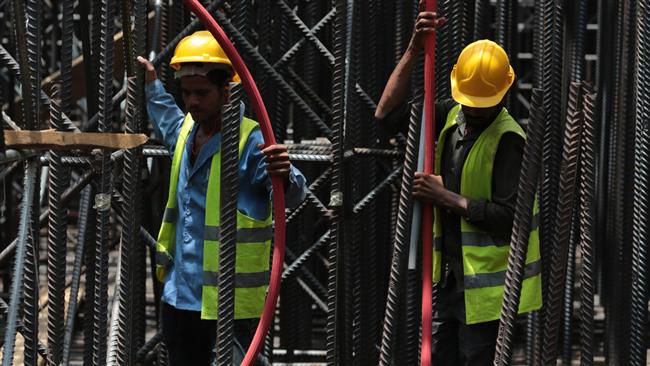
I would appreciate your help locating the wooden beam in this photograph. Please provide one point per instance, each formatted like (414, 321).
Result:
(48, 139)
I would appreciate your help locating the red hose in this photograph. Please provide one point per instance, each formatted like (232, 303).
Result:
(427, 209)
(278, 185)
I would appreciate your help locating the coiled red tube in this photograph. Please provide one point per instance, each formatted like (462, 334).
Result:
(427, 209)
(278, 185)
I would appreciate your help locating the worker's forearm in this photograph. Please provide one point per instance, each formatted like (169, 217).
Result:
(455, 203)
(397, 86)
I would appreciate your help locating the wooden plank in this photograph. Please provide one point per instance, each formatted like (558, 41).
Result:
(46, 139)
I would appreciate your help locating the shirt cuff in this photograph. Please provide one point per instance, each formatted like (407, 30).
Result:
(296, 190)
(476, 210)
(153, 89)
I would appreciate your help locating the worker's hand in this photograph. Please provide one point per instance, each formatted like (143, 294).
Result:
(149, 70)
(426, 23)
(429, 188)
(277, 158)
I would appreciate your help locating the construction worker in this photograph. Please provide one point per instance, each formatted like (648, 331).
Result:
(188, 246)
(473, 190)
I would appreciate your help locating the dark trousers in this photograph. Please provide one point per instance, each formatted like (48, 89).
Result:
(456, 343)
(191, 340)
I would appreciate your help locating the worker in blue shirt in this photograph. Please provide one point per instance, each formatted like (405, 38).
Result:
(189, 296)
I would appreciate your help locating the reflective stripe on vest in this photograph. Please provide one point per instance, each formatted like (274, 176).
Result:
(485, 256)
(253, 238)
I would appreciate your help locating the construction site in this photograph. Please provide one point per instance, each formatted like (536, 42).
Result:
(355, 267)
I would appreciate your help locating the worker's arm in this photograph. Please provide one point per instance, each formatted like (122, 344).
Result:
(494, 216)
(161, 107)
(259, 163)
(396, 88)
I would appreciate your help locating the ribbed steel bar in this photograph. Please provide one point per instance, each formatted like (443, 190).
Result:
(448, 46)
(372, 195)
(85, 220)
(19, 262)
(31, 283)
(306, 31)
(578, 47)
(587, 219)
(334, 250)
(103, 196)
(641, 235)
(521, 228)
(299, 262)
(315, 29)
(481, 20)
(557, 273)
(228, 228)
(402, 238)
(264, 65)
(569, 284)
(4, 309)
(57, 237)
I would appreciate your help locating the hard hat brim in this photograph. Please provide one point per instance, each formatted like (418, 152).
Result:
(478, 101)
(176, 61)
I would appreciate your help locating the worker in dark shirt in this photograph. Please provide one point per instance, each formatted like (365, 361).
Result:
(473, 190)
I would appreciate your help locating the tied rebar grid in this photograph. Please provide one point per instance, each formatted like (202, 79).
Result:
(521, 228)
(228, 227)
(565, 203)
(587, 218)
(639, 313)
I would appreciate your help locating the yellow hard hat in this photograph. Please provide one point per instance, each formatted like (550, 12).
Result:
(201, 46)
(482, 75)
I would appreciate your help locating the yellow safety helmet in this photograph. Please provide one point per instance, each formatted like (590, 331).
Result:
(482, 75)
(201, 46)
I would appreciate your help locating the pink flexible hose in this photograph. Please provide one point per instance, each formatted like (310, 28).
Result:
(427, 209)
(278, 185)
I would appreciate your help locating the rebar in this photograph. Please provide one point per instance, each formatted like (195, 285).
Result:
(565, 199)
(402, 237)
(19, 262)
(587, 252)
(339, 85)
(639, 311)
(102, 198)
(57, 238)
(521, 228)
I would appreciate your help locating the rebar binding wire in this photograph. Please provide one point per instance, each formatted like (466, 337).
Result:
(19, 263)
(402, 237)
(587, 217)
(557, 273)
(339, 84)
(521, 229)
(57, 239)
(228, 227)
(639, 311)
(103, 198)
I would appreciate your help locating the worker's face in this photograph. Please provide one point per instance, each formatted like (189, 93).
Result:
(203, 99)
(481, 116)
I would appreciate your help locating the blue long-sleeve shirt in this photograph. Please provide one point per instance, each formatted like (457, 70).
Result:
(182, 287)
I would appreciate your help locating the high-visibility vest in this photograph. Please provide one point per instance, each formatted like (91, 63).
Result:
(485, 257)
(253, 238)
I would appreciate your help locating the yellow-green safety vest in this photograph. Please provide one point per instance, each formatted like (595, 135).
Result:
(485, 257)
(253, 238)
